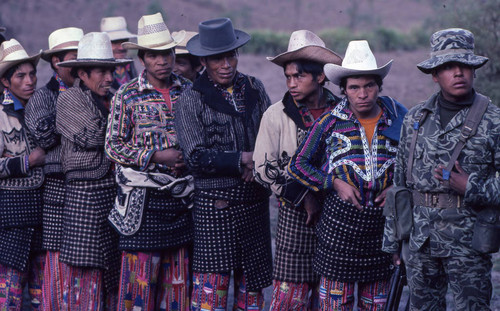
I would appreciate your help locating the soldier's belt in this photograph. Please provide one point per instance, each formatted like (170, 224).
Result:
(437, 200)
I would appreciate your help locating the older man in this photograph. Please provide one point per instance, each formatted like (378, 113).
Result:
(88, 252)
(217, 123)
(349, 153)
(40, 118)
(283, 127)
(21, 180)
(142, 140)
(451, 187)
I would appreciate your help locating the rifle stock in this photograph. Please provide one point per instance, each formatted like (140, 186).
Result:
(398, 281)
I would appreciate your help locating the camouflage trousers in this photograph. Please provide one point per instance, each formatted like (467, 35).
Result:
(469, 279)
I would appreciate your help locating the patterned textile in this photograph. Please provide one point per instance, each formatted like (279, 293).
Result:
(232, 231)
(62, 86)
(82, 154)
(89, 241)
(212, 134)
(210, 292)
(52, 292)
(236, 97)
(40, 118)
(15, 246)
(336, 296)
(53, 211)
(293, 296)
(167, 223)
(12, 282)
(154, 281)
(140, 123)
(122, 75)
(336, 147)
(20, 208)
(349, 243)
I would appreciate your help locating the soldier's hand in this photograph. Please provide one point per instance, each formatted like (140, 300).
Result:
(381, 197)
(347, 193)
(313, 209)
(36, 157)
(458, 179)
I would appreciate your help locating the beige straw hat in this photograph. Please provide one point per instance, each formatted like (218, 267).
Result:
(116, 28)
(61, 40)
(153, 34)
(181, 48)
(13, 53)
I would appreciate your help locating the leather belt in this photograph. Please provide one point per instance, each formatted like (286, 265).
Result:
(437, 200)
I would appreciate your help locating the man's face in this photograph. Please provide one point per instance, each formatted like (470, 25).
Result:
(158, 64)
(99, 80)
(221, 68)
(362, 93)
(65, 72)
(302, 86)
(22, 84)
(455, 80)
(184, 68)
(118, 51)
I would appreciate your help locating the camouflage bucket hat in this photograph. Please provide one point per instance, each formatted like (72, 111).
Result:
(452, 45)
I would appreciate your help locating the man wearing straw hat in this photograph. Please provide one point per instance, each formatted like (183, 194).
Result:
(151, 211)
(282, 129)
(88, 252)
(21, 178)
(187, 64)
(217, 122)
(40, 118)
(116, 28)
(450, 195)
(349, 154)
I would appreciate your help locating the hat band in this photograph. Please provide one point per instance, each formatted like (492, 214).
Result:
(65, 45)
(96, 59)
(10, 50)
(151, 29)
(452, 51)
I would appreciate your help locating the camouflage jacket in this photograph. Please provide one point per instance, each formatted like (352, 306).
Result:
(449, 230)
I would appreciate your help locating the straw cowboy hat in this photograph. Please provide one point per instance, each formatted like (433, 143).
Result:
(452, 45)
(153, 34)
(181, 48)
(116, 28)
(61, 40)
(94, 49)
(304, 44)
(216, 36)
(358, 60)
(12, 53)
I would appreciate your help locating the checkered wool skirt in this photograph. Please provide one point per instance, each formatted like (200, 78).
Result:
(235, 235)
(295, 246)
(53, 211)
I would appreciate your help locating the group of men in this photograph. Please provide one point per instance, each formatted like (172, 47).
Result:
(121, 191)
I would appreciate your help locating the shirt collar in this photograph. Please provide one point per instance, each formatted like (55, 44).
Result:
(10, 99)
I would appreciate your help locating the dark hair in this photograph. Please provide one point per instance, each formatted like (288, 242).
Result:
(10, 72)
(87, 69)
(307, 66)
(194, 61)
(141, 53)
(2, 38)
(60, 56)
(343, 82)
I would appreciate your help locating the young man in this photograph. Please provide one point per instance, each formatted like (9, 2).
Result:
(217, 123)
(141, 140)
(187, 65)
(282, 129)
(21, 179)
(445, 208)
(40, 118)
(116, 28)
(88, 254)
(349, 154)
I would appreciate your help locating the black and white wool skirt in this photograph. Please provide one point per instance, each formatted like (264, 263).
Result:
(350, 242)
(232, 231)
(53, 211)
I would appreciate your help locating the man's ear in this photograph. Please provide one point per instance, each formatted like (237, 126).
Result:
(321, 78)
(54, 60)
(81, 73)
(5, 82)
(203, 61)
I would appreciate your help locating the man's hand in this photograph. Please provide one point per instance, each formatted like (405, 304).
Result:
(313, 209)
(458, 180)
(170, 157)
(381, 197)
(36, 157)
(347, 192)
(247, 166)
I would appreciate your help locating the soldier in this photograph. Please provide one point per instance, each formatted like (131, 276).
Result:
(283, 127)
(446, 201)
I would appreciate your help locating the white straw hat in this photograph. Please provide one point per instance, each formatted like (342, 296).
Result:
(94, 49)
(153, 34)
(358, 60)
(305, 44)
(13, 53)
(116, 28)
(181, 48)
(61, 40)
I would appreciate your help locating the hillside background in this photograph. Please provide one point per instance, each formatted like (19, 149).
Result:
(31, 22)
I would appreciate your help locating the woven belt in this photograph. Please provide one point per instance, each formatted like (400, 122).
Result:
(437, 200)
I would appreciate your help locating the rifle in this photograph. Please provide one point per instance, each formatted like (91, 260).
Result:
(398, 281)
